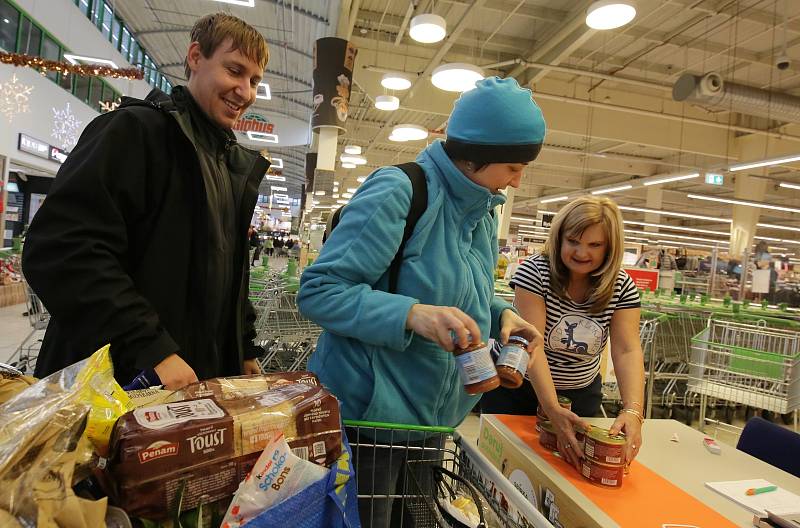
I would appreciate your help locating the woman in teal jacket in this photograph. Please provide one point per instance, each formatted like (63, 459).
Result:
(388, 356)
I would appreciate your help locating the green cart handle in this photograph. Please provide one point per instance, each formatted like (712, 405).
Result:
(400, 427)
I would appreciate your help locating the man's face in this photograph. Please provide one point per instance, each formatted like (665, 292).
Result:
(224, 84)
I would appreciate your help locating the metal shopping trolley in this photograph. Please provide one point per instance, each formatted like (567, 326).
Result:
(24, 358)
(436, 466)
(287, 337)
(746, 363)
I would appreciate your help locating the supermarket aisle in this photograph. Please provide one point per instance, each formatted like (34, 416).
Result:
(13, 329)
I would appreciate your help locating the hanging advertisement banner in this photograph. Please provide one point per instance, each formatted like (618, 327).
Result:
(334, 59)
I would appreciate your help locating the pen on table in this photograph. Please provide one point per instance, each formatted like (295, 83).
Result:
(756, 491)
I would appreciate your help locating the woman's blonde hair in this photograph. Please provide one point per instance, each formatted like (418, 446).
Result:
(212, 30)
(571, 221)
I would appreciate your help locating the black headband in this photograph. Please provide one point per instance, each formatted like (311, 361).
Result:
(492, 153)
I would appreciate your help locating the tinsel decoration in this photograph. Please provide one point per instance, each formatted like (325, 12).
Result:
(86, 70)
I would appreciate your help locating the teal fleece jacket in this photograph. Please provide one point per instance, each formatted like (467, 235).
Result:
(379, 370)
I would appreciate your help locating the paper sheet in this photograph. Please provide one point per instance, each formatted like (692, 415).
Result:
(780, 501)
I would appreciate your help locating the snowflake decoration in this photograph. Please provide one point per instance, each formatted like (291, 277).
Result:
(65, 127)
(14, 98)
(109, 106)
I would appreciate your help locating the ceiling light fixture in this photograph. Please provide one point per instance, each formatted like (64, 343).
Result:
(396, 81)
(361, 179)
(319, 193)
(764, 163)
(610, 14)
(456, 77)
(409, 132)
(262, 136)
(275, 178)
(343, 202)
(352, 149)
(263, 91)
(352, 189)
(276, 163)
(670, 235)
(773, 226)
(276, 188)
(692, 244)
(80, 59)
(744, 202)
(672, 179)
(613, 189)
(347, 195)
(675, 213)
(397, 139)
(388, 103)
(790, 185)
(355, 160)
(676, 228)
(348, 165)
(523, 219)
(427, 28)
(243, 3)
(557, 199)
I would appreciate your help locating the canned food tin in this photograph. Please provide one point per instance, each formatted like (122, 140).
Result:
(604, 448)
(563, 401)
(602, 474)
(547, 436)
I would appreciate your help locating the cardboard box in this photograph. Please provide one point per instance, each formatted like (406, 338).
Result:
(552, 494)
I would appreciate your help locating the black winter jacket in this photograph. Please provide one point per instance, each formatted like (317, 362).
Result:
(117, 253)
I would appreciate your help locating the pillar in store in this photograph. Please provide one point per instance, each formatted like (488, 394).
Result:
(745, 218)
(655, 196)
(334, 59)
(505, 216)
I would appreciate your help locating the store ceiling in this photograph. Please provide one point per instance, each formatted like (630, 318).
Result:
(606, 95)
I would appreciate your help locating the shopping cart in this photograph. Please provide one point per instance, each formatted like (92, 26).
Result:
(436, 466)
(287, 337)
(747, 363)
(24, 357)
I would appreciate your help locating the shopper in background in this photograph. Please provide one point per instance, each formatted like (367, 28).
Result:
(268, 246)
(388, 356)
(578, 296)
(142, 241)
(255, 243)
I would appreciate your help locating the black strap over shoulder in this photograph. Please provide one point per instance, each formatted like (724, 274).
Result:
(419, 202)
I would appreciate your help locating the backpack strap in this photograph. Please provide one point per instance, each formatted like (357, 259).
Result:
(419, 202)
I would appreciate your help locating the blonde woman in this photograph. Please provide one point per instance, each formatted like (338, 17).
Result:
(578, 296)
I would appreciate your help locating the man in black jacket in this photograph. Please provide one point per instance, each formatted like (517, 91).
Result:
(142, 241)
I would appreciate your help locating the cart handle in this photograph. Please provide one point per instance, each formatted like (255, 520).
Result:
(401, 427)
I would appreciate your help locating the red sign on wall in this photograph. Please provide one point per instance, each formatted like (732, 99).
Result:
(255, 123)
(645, 279)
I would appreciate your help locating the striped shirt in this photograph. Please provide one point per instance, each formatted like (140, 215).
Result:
(573, 338)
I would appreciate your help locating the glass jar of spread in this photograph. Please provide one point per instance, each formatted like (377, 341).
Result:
(513, 362)
(476, 369)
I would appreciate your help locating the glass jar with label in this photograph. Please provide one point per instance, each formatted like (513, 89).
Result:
(476, 368)
(513, 362)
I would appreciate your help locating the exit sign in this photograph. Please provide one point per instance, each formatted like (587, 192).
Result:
(714, 179)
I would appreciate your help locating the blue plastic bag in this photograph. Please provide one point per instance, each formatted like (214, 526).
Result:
(328, 503)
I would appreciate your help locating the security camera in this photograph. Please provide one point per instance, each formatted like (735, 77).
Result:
(782, 62)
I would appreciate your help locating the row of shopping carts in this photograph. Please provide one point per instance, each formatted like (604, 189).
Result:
(287, 337)
(717, 367)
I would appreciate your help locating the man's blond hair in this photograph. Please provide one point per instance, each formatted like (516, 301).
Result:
(212, 30)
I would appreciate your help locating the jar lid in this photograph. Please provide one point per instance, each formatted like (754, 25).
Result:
(518, 339)
(602, 435)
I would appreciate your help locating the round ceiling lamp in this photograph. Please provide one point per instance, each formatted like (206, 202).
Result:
(408, 132)
(387, 102)
(397, 139)
(352, 149)
(348, 165)
(355, 160)
(610, 14)
(456, 77)
(396, 81)
(428, 28)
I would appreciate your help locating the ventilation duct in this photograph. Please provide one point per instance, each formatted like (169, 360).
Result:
(711, 91)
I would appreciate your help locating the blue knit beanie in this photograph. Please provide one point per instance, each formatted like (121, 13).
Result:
(496, 122)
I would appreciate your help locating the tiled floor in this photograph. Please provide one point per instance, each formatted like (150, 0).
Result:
(14, 328)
